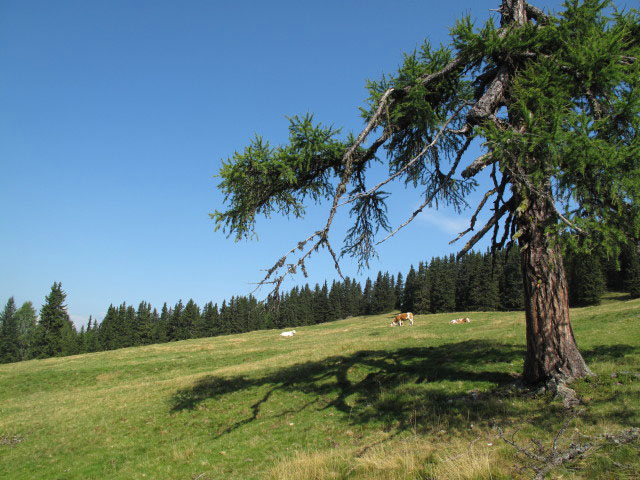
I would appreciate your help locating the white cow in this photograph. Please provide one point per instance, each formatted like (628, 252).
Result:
(288, 334)
(461, 320)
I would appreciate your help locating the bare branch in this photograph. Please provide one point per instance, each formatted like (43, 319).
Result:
(537, 14)
(444, 182)
(490, 101)
(564, 219)
(594, 103)
(408, 164)
(474, 218)
(492, 221)
(335, 259)
(477, 165)
(452, 65)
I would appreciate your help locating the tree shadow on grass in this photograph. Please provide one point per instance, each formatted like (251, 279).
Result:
(601, 353)
(424, 388)
(399, 388)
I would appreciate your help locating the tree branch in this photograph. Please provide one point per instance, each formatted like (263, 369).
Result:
(477, 165)
(444, 182)
(491, 99)
(492, 221)
(410, 163)
(537, 14)
(474, 217)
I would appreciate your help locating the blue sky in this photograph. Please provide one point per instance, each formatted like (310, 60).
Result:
(115, 116)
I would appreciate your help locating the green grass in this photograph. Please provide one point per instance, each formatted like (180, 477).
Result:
(349, 399)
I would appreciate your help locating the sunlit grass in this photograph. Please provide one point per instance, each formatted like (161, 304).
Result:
(351, 399)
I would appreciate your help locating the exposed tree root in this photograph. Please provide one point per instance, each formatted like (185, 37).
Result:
(542, 460)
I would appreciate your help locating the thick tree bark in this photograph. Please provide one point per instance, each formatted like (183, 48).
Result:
(552, 352)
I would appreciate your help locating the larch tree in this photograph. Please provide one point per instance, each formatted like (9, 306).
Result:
(553, 100)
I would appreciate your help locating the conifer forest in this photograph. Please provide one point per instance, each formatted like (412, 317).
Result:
(475, 282)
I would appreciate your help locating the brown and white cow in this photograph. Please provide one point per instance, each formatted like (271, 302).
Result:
(402, 317)
(461, 320)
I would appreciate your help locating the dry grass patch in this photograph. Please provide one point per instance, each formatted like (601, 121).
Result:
(467, 463)
(399, 459)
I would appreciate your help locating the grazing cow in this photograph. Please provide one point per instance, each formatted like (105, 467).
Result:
(401, 317)
(461, 320)
(288, 334)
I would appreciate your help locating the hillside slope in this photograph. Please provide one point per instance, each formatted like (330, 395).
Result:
(349, 399)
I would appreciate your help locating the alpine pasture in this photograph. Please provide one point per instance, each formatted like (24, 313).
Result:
(351, 399)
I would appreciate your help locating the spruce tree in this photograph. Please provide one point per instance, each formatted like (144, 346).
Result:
(26, 320)
(366, 308)
(399, 291)
(631, 270)
(208, 320)
(53, 318)
(306, 305)
(422, 292)
(352, 296)
(320, 303)
(411, 286)
(511, 291)
(70, 342)
(190, 319)
(160, 327)
(443, 298)
(335, 301)
(463, 276)
(128, 329)
(107, 334)
(143, 326)
(175, 327)
(586, 280)
(484, 293)
(9, 346)
(91, 343)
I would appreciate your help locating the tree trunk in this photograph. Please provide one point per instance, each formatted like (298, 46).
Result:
(552, 351)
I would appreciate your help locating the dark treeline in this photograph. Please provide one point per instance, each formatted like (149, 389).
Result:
(475, 282)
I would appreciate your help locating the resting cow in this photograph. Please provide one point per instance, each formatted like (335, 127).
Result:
(402, 317)
(288, 334)
(461, 320)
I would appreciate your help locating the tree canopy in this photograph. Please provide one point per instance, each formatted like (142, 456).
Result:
(570, 83)
(554, 101)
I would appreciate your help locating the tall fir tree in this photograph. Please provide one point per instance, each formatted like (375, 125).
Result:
(411, 286)
(511, 291)
(26, 320)
(443, 297)
(321, 309)
(175, 327)
(160, 327)
(586, 280)
(143, 326)
(9, 346)
(422, 290)
(631, 269)
(399, 291)
(366, 308)
(107, 334)
(53, 318)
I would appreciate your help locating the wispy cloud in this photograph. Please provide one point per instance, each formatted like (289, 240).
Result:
(448, 222)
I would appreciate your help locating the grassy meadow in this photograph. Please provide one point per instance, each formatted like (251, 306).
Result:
(352, 399)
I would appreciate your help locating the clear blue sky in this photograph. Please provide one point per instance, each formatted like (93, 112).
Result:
(115, 116)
